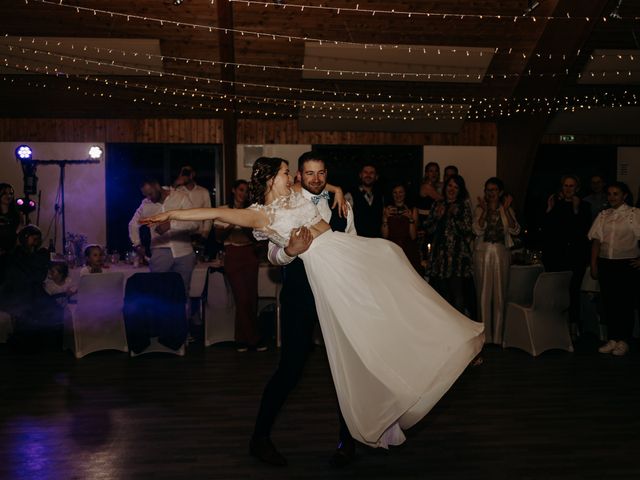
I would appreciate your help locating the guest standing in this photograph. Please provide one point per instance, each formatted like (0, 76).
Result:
(450, 223)
(615, 261)
(399, 224)
(9, 219)
(171, 249)
(494, 223)
(241, 265)
(597, 199)
(198, 196)
(367, 203)
(565, 243)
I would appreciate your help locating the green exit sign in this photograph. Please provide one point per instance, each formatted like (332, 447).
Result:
(567, 138)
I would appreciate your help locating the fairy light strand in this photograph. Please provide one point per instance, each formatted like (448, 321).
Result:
(209, 80)
(412, 14)
(403, 111)
(256, 34)
(621, 57)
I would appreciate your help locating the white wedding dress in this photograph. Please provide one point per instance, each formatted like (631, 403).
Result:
(394, 345)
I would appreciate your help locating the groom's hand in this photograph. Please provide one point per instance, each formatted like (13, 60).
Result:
(299, 241)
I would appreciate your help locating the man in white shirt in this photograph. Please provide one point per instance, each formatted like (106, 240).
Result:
(171, 249)
(298, 317)
(199, 196)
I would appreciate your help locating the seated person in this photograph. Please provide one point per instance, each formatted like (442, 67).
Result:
(58, 284)
(94, 257)
(37, 316)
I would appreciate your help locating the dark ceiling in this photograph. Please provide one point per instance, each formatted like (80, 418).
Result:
(247, 58)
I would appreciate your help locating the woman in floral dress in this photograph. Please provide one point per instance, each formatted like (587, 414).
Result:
(450, 264)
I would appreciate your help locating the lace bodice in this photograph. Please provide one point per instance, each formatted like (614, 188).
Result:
(285, 214)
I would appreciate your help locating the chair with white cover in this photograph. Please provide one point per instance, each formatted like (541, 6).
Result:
(219, 309)
(155, 313)
(543, 325)
(96, 320)
(522, 279)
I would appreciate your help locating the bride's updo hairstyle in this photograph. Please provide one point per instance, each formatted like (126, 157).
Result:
(264, 169)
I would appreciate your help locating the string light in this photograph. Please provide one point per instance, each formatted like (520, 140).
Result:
(479, 110)
(196, 78)
(272, 36)
(406, 13)
(438, 50)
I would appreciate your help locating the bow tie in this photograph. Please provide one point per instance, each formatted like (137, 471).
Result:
(316, 198)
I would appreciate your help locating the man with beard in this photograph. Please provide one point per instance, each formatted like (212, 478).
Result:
(367, 203)
(298, 317)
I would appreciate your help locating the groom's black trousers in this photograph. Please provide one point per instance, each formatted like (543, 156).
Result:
(298, 318)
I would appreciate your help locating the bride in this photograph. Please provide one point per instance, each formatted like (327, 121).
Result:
(394, 345)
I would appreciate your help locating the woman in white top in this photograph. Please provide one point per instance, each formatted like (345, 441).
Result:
(615, 261)
(493, 222)
(394, 345)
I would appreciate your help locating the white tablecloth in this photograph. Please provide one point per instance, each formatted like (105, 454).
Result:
(198, 277)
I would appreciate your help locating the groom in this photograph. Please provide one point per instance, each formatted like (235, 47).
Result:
(298, 317)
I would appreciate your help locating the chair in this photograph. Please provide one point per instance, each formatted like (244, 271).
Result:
(544, 325)
(522, 279)
(219, 309)
(155, 313)
(96, 320)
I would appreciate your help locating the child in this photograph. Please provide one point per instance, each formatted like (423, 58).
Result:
(94, 256)
(58, 284)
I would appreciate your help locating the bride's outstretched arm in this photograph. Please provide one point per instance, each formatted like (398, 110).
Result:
(241, 217)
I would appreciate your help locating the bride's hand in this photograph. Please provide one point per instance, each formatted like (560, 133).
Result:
(340, 201)
(155, 219)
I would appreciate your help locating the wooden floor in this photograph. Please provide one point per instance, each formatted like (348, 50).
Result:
(107, 416)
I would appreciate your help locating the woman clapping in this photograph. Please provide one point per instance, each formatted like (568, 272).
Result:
(494, 223)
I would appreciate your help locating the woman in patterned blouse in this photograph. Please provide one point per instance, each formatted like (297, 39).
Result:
(450, 266)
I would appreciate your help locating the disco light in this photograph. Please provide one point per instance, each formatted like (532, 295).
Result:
(24, 152)
(95, 152)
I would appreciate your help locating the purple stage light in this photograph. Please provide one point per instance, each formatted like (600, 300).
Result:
(25, 205)
(24, 152)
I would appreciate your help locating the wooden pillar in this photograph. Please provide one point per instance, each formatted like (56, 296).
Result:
(520, 135)
(227, 74)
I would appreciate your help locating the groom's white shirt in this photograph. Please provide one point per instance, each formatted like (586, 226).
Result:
(277, 255)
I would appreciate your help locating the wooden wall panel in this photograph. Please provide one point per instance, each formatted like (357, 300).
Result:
(152, 130)
(252, 132)
(286, 132)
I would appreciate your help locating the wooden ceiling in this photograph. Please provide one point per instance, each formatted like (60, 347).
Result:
(245, 59)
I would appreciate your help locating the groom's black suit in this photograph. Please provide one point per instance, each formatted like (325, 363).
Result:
(298, 318)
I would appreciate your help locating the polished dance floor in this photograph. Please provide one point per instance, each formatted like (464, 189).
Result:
(107, 416)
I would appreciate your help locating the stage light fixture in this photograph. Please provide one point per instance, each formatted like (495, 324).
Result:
(95, 152)
(24, 152)
(25, 205)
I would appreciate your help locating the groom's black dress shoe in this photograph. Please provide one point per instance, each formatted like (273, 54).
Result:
(344, 454)
(264, 450)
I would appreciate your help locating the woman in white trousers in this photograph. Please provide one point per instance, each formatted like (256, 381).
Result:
(494, 222)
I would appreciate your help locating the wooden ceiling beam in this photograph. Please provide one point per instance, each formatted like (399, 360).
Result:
(227, 75)
(519, 136)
